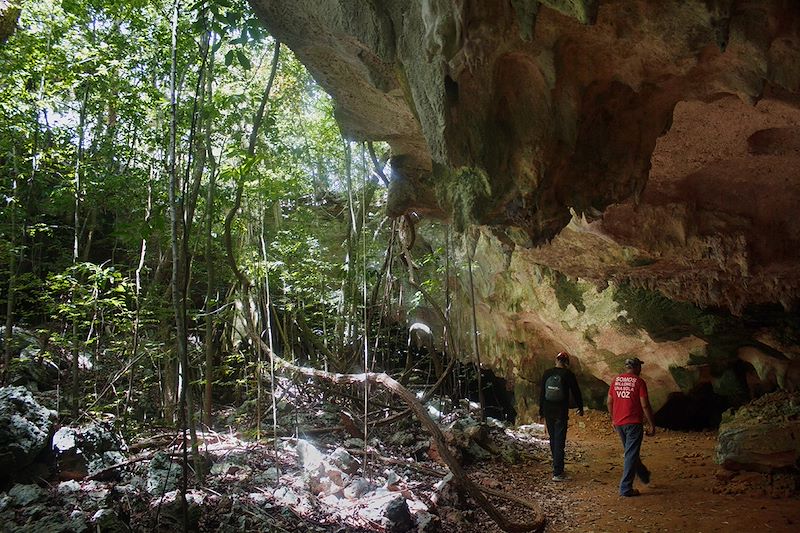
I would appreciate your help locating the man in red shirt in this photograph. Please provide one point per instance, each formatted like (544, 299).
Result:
(628, 404)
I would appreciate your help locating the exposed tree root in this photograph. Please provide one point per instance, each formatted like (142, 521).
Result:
(460, 477)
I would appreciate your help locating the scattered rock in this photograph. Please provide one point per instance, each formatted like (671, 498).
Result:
(171, 508)
(107, 521)
(358, 487)
(24, 495)
(402, 438)
(286, 496)
(468, 440)
(270, 475)
(445, 493)
(231, 470)
(354, 443)
(33, 370)
(344, 461)
(310, 456)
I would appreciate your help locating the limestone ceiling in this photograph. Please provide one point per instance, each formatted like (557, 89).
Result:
(670, 128)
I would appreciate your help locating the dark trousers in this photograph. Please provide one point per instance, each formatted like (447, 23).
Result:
(631, 436)
(557, 429)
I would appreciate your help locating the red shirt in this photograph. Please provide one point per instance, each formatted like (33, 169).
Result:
(624, 398)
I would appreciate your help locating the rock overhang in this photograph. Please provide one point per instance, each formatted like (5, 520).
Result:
(519, 114)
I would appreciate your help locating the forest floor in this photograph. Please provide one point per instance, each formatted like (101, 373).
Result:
(301, 485)
(688, 491)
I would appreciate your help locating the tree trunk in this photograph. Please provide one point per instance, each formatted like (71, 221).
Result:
(243, 281)
(76, 386)
(210, 281)
(12, 274)
(251, 150)
(176, 283)
(137, 312)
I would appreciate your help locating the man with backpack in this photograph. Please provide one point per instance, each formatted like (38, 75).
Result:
(554, 399)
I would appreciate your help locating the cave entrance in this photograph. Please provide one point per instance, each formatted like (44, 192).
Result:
(697, 410)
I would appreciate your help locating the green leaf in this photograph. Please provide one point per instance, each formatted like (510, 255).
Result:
(229, 58)
(72, 7)
(243, 60)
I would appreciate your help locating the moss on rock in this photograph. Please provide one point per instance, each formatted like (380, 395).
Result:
(568, 292)
(663, 319)
(467, 191)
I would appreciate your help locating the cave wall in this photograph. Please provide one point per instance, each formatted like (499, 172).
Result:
(526, 313)
(669, 126)
(697, 359)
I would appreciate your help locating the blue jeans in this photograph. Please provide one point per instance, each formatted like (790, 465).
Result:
(557, 429)
(631, 435)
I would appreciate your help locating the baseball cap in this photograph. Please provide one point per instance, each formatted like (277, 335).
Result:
(634, 362)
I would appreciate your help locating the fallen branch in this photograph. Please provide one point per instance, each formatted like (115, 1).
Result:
(134, 459)
(147, 456)
(399, 462)
(159, 439)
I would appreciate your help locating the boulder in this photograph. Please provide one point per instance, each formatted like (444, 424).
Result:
(86, 450)
(763, 436)
(25, 428)
(20, 338)
(29, 366)
(24, 495)
(163, 474)
(389, 509)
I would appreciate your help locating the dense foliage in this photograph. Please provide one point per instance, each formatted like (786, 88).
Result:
(274, 216)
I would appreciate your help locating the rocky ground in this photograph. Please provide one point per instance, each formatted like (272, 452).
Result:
(297, 487)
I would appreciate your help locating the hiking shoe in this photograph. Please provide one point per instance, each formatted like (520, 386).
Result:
(631, 493)
(560, 477)
(644, 476)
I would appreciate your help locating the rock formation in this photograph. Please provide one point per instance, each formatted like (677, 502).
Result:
(626, 172)
(763, 437)
(25, 428)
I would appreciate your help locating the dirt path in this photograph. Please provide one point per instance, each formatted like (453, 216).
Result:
(687, 491)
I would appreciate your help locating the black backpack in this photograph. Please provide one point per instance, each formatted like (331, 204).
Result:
(554, 389)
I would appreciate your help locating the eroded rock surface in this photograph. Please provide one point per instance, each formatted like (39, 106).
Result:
(9, 13)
